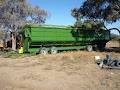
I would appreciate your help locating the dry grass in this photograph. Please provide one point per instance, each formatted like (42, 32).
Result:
(64, 71)
(73, 70)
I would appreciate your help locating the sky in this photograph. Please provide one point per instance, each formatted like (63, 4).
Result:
(60, 11)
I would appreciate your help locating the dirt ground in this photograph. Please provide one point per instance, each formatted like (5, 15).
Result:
(74, 70)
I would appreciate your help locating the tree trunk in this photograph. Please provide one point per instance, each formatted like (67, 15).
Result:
(119, 42)
(14, 41)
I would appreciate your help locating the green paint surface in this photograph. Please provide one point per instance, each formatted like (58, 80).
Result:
(61, 36)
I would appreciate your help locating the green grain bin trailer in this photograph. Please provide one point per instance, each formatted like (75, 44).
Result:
(44, 39)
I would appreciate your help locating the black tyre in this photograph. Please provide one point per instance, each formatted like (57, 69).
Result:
(43, 51)
(101, 46)
(89, 48)
(53, 50)
(118, 63)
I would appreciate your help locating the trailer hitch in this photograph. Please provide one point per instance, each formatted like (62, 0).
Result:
(107, 62)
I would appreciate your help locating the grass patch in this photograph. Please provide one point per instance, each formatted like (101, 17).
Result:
(13, 54)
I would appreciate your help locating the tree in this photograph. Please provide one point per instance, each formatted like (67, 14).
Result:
(16, 13)
(88, 23)
(106, 10)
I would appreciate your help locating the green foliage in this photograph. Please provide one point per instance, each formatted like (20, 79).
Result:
(90, 24)
(107, 10)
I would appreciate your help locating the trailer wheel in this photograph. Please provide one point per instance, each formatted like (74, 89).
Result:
(43, 51)
(118, 63)
(53, 50)
(89, 48)
(101, 46)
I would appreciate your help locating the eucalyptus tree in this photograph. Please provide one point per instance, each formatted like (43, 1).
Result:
(106, 10)
(16, 13)
(102, 10)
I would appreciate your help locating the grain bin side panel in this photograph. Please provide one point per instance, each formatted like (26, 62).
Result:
(51, 36)
(43, 34)
(62, 37)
